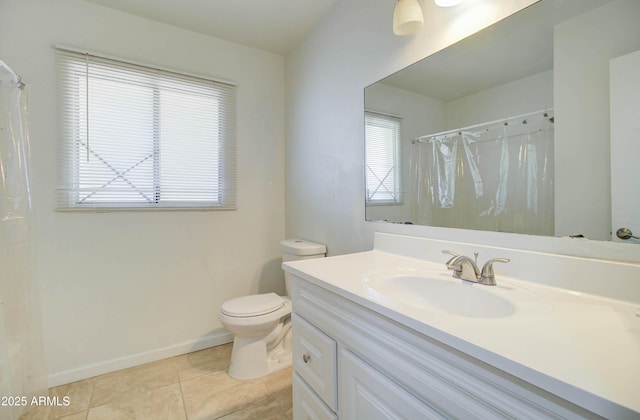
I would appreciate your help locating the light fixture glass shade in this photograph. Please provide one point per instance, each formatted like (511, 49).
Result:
(448, 3)
(407, 17)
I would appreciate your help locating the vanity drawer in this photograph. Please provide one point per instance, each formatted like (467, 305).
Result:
(306, 404)
(314, 359)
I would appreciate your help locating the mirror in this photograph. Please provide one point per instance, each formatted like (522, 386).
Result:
(543, 74)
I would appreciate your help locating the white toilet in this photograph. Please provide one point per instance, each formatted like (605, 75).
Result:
(261, 324)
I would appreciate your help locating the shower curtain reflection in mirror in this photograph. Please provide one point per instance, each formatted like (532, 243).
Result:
(496, 176)
(22, 371)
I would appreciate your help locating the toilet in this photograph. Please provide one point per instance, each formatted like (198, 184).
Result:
(261, 324)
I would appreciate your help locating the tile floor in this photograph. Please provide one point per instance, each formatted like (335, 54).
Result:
(191, 386)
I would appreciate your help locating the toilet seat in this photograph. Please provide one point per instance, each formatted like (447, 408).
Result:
(253, 305)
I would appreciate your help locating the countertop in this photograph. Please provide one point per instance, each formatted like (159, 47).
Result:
(583, 348)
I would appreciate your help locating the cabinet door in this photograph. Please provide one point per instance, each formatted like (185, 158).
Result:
(367, 394)
(314, 359)
(306, 404)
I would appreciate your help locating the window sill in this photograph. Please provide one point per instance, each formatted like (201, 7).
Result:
(138, 209)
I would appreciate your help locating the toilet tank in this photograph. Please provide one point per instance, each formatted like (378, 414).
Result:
(299, 249)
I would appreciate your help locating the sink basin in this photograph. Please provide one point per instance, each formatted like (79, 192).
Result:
(442, 293)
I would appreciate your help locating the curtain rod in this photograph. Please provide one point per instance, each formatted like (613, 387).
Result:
(471, 127)
(16, 78)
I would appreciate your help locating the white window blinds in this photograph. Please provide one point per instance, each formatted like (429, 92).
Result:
(382, 157)
(135, 137)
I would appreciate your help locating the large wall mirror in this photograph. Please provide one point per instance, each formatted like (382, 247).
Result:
(514, 128)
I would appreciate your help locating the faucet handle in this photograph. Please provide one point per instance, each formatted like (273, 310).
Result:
(450, 260)
(488, 277)
(446, 251)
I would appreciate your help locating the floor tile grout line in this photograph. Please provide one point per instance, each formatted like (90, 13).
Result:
(93, 390)
(184, 403)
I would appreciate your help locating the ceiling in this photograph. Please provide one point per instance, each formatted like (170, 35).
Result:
(276, 26)
(510, 50)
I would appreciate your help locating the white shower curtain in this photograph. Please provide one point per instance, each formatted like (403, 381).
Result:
(22, 371)
(497, 177)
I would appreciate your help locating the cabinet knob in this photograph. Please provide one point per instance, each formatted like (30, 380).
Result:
(306, 358)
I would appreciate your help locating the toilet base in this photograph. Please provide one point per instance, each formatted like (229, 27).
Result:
(255, 357)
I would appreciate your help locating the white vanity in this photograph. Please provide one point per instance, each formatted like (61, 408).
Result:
(389, 333)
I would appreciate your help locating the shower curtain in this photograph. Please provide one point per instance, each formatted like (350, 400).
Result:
(497, 176)
(22, 371)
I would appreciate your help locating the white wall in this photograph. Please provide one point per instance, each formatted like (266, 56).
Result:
(530, 94)
(581, 60)
(352, 47)
(129, 287)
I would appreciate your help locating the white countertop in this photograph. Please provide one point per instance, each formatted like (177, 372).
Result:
(583, 348)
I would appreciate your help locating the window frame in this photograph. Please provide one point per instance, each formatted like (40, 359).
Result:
(396, 153)
(221, 187)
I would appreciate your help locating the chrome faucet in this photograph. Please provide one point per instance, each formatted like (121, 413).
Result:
(465, 268)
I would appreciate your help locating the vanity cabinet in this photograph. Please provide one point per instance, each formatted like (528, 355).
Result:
(352, 362)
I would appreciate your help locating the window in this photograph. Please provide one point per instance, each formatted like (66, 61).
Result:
(137, 137)
(382, 157)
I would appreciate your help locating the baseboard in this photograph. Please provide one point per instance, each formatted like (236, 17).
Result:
(89, 371)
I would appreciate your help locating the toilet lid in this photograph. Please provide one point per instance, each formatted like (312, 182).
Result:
(253, 305)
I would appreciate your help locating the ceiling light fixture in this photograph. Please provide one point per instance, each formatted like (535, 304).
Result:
(407, 17)
(448, 3)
